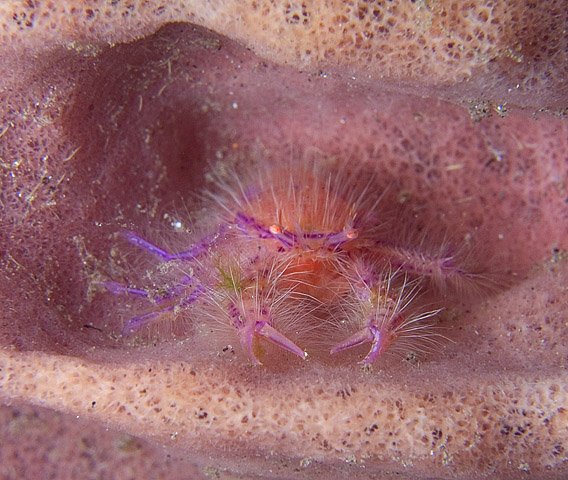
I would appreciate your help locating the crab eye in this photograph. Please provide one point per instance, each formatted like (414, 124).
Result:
(351, 234)
(275, 229)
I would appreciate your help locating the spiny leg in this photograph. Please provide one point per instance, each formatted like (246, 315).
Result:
(117, 288)
(137, 323)
(121, 289)
(195, 251)
(166, 295)
(441, 268)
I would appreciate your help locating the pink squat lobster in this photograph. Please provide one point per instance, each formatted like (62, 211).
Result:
(307, 248)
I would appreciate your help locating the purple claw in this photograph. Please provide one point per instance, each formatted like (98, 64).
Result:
(246, 336)
(248, 328)
(263, 329)
(368, 334)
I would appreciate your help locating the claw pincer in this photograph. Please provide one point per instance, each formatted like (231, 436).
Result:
(250, 325)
